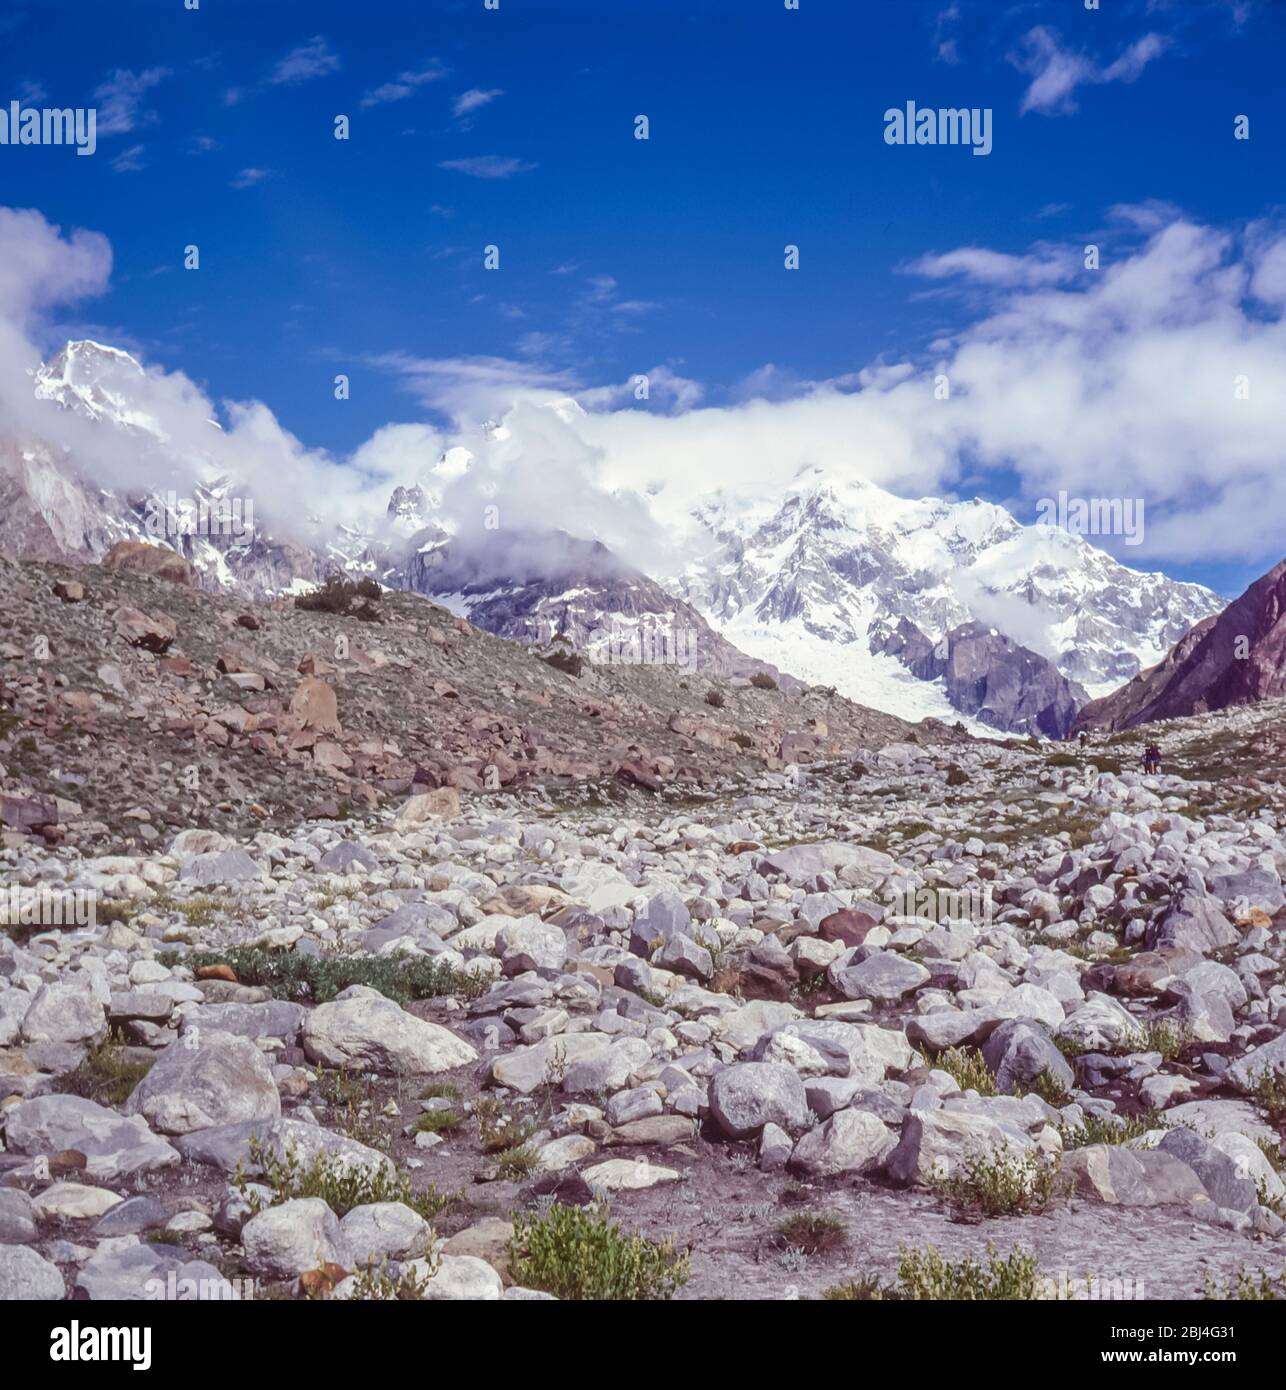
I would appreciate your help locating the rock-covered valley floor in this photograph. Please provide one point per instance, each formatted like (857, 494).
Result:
(372, 1023)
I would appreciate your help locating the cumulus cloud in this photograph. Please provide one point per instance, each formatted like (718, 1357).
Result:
(1056, 72)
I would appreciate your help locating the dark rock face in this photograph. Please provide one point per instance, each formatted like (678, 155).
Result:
(1237, 658)
(990, 677)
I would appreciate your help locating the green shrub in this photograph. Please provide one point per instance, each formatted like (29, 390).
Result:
(1000, 1184)
(341, 1184)
(316, 980)
(1256, 1287)
(924, 1274)
(811, 1232)
(105, 1074)
(715, 698)
(516, 1162)
(578, 1253)
(761, 680)
(1109, 1129)
(968, 1070)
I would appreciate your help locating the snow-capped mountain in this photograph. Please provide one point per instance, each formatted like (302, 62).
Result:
(918, 607)
(831, 578)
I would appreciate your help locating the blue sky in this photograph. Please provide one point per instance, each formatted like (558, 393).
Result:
(621, 256)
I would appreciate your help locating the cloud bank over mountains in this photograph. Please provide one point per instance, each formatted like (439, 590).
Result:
(1151, 377)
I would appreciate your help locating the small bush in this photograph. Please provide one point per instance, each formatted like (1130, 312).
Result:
(564, 659)
(1256, 1287)
(105, 1075)
(1270, 1092)
(379, 1285)
(1109, 1129)
(811, 1232)
(956, 777)
(924, 1274)
(578, 1253)
(336, 595)
(437, 1122)
(743, 740)
(968, 1069)
(1050, 1090)
(318, 980)
(999, 1184)
(761, 680)
(340, 1184)
(715, 698)
(516, 1162)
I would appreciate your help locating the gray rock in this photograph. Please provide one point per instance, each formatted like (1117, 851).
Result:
(65, 1013)
(385, 1231)
(851, 1141)
(685, 957)
(27, 1277)
(748, 1095)
(1018, 1052)
(228, 1146)
(274, 1018)
(115, 1146)
(801, 862)
(347, 858)
(203, 1080)
(286, 1241)
(221, 866)
(661, 918)
(17, 1219)
(1222, 1177)
(131, 1217)
(371, 1033)
(883, 975)
(1193, 920)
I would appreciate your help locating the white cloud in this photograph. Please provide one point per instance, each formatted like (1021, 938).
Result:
(1057, 72)
(404, 85)
(488, 166)
(247, 178)
(129, 161)
(304, 63)
(982, 266)
(120, 98)
(474, 99)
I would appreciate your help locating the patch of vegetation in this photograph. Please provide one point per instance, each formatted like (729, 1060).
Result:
(761, 680)
(564, 657)
(956, 777)
(715, 698)
(926, 1275)
(340, 1183)
(106, 1074)
(498, 1133)
(811, 1232)
(309, 979)
(1000, 1184)
(1049, 1089)
(579, 1253)
(516, 1162)
(1256, 1287)
(437, 1122)
(968, 1069)
(336, 595)
(1164, 1037)
(378, 1285)
(440, 1090)
(1109, 1129)
(1269, 1092)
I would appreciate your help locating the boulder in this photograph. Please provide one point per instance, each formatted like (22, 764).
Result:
(748, 1095)
(367, 1032)
(206, 1078)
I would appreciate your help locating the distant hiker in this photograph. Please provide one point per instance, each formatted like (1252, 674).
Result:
(1152, 760)
(1084, 739)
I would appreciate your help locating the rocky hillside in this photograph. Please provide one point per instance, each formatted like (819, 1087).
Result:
(131, 705)
(833, 1032)
(1237, 658)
